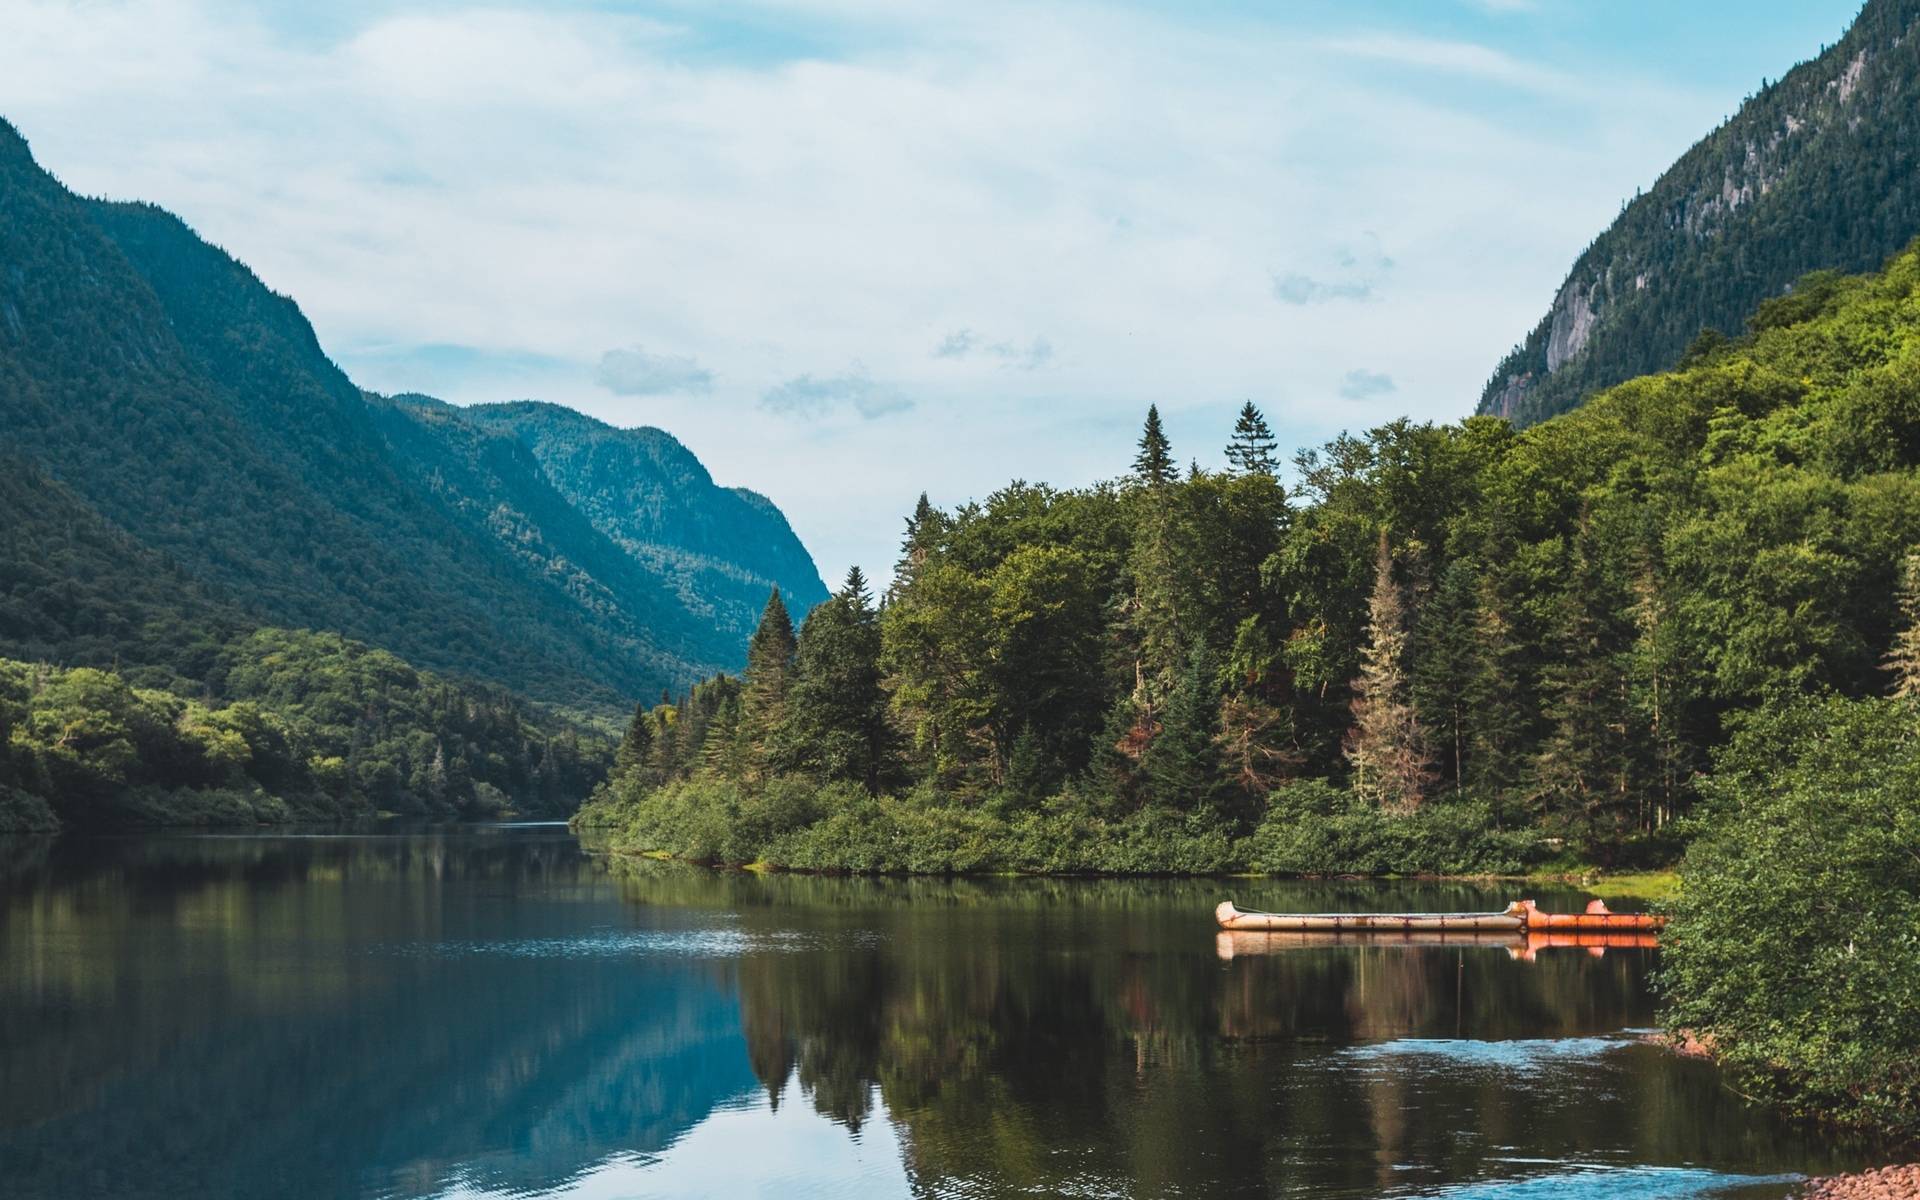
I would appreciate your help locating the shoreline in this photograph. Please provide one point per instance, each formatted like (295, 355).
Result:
(1649, 886)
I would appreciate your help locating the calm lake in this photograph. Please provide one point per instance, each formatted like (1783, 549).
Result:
(494, 1011)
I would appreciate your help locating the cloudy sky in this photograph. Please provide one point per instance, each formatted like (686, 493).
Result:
(848, 250)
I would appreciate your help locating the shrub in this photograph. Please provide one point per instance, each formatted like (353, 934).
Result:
(1795, 941)
(1312, 828)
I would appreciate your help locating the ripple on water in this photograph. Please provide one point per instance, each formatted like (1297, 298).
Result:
(1516, 1054)
(1619, 1183)
(632, 943)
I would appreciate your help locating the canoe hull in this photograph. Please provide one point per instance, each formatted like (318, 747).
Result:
(1232, 917)
(1520, 915)
(1523, 946)
(1597, 919)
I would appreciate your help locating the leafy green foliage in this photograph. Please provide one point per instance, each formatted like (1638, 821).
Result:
(1795, 942)
(308, 727)
(1815, 171)
(1565, 622)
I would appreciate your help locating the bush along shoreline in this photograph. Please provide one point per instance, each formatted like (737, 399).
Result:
(1793, 954)
(796, 824)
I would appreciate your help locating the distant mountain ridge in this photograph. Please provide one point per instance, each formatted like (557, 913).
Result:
(1820, 170)
(180, 403)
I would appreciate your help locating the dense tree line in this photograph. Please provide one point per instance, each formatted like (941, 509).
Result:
(1543, 631)
(305, 726)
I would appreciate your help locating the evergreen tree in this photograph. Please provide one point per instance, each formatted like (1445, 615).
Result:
(1251, 452)
(1183, 760)
(1387, 746)
(1903, 659)
(763, 705)
(1581, 771)
(636, 748)
(1656, 670)
(924, 528)
(837, 717)
(1153, 465)
(1498, 721)
(1443, 663)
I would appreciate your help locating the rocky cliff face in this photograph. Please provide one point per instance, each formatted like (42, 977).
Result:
(1819, 170)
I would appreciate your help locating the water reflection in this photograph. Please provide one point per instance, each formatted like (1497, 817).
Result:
(493, 1012)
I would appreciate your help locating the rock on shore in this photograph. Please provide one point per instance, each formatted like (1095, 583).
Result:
(1887, 1183)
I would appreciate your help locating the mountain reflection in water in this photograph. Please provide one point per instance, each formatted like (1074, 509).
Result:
(493, 1012)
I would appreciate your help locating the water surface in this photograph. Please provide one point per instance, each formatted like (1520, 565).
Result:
(494, 1012)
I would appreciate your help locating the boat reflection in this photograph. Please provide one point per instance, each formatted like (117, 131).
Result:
(1520, 946)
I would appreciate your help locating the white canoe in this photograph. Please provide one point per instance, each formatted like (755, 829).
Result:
(1513, 917)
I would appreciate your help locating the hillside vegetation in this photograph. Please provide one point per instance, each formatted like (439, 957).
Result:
(1454, 646)
(1820, 170)
(192, 412)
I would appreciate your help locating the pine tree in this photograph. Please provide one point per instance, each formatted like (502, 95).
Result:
(1903, 659)
(1251, 452)
(763, 705)
(1581, 773)
(636, 748)
(1443, 663)
(1153, 465)
(1387, 746)
(837, 724)
(924, 529)
(1497, 716)
(1183, 760)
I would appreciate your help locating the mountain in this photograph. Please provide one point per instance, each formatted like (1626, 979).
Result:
(192, 423)
(720, 549)
(1820, 170)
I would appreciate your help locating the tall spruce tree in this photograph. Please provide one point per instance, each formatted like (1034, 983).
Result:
(1153, 465)
(837, 724)
(1582, 770)
(1251, 451)
(1386, 746)
(1444, 662)
(1183, 761)
(763, 704)
(1903, 659)
(923, 534)
(636, 748)
(1499, 723)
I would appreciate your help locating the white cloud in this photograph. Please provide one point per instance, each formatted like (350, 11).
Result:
(547, 180)
(635, 372)
(1029, 355)
(810, 396)
(1295, 288)
(1361, 384)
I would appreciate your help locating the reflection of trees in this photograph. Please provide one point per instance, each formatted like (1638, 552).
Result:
(1059, 1036)
(243, 1017)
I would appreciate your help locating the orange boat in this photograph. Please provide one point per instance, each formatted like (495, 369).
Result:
(1520, 915)
(1597, 919)
(1522, 945)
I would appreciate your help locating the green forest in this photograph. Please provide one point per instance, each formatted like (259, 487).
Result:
(289, 726)
(1448, 647)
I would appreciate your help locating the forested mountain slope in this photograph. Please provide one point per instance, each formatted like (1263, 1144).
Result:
(721, 549)
(192, 410)
(1820, 170)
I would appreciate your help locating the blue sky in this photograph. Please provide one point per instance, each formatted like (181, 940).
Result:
(850, 249)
